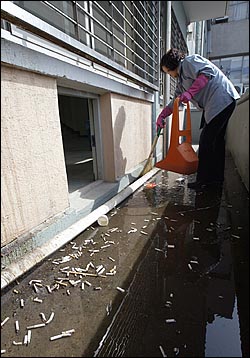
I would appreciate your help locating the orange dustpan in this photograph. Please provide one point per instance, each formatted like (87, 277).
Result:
(181, 158)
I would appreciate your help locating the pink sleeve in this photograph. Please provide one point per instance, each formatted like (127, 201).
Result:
(198, 84)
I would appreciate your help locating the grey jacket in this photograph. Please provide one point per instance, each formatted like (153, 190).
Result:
(218, 93)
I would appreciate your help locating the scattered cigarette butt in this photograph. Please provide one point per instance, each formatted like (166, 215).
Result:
(69, 331)
(25, 339)
(28, 336)
(36, 299)
(53, 338)
(110, 258)
(4, 321)
(162, 351)
(36, 326)
(17, 326)
(43, 317)
(120, 289)
(235, 236)
(49, 289)
(50, 318)
(34, 281)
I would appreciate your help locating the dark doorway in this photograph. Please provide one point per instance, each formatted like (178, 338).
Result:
(76, 136)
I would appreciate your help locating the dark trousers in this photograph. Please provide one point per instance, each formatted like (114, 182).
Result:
(212, 147)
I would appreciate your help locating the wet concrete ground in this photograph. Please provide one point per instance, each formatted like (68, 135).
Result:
(175, 280)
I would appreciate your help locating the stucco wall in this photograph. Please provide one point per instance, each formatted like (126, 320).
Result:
(131, 121)
(34, 183)
(126, 124)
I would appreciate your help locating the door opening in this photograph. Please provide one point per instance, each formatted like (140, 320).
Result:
(77, 139)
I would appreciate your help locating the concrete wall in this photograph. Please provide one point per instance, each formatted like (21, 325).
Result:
(237, 138)
(107, 138)
(126, 123)
(34, 183)
(230, 38)
(131, 124)
(180, 16)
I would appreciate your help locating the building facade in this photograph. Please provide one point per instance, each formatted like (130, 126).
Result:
(228, 50)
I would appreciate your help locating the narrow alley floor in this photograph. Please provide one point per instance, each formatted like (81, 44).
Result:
(169, 276)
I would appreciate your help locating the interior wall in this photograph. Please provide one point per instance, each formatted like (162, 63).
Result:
(34, 183)
(75, 126)
(75, 113)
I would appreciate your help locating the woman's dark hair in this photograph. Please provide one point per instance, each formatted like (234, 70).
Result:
(171, 59)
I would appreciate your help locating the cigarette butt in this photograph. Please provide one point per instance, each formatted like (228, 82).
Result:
(4, 321)
(50, 317)
(36, 326)
(120, 289)
(170, 320)
(17, 326)
(28, 336)
(111, 258)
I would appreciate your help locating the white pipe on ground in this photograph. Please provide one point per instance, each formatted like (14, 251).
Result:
(18, 268)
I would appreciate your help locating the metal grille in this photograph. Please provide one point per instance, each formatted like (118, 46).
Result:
(123, 31)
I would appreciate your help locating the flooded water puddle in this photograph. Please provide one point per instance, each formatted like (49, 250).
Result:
(182, 298)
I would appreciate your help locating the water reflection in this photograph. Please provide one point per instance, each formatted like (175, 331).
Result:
(183, 288)
(194, 278)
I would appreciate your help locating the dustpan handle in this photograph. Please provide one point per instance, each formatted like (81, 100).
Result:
(187, 132)
(175, 131)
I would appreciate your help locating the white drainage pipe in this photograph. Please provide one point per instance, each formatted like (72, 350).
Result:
(18, 268)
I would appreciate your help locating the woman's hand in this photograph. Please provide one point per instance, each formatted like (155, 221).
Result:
(185, 97)
(160, 122)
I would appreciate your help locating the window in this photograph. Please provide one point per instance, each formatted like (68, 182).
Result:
(235, 68)
(219, 20)
(238, 10)
(123, 31)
